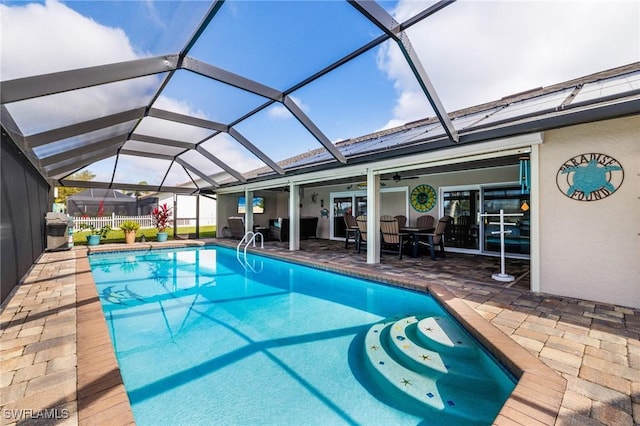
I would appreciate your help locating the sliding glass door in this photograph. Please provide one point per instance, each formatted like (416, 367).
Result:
(341, 207)
(512, 201)
(469, 231)
(393, 201)
(463, 206)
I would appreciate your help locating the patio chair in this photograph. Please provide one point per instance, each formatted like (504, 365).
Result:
(236, 227)
(426, 222)
(361, 237)
(462, 231)
(351, 229)
(392, 239)
(436, 237)
(402, 220)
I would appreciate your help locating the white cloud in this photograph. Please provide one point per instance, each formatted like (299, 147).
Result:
(44, 38)
(179, 106)
(279, 112)
(475, 52)
(228, 150)
(39, 39)
(50, 37)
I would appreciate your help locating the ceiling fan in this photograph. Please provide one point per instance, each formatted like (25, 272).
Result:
(361, 185)
(397, 178)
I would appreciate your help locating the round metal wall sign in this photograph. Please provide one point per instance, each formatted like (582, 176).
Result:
(423, 198)
(590, 177)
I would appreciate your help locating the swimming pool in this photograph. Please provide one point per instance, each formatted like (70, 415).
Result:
(202, 338)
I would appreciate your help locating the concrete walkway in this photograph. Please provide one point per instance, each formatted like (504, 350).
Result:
(58, 366)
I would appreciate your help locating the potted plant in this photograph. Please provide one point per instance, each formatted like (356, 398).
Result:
(95, 234)
(130, 227)
(161, 220)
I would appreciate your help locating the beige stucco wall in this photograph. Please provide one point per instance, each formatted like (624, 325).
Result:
(591, 250)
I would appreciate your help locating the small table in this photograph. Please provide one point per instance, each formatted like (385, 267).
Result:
(414, 231)
(262, 230)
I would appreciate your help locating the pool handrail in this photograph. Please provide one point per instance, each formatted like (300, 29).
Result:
(250, 238)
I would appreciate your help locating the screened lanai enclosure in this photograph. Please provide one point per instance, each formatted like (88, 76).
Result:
(186, 96)
(223, 97)
(208, 103)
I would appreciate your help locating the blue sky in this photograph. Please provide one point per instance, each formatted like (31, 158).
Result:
(473, 51)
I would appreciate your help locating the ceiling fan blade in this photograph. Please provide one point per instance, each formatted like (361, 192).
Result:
(397, 178)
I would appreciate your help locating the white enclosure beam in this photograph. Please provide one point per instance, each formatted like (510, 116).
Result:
(428, 89)
(147, 154)
(230, 78)
(255, 151)
(162, 141)
(209, 156)
(127, 186)
(83, 161)
(313, 129)
(84, 127)
(63, 81)
(383, 20)
(196, 171)
(83, 150)
(187, 119)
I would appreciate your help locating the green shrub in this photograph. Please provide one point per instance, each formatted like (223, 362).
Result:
(129, 226)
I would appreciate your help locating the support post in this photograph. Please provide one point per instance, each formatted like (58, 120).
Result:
(294, 217)
(197, 218)
(373, 217)
(175, 216)
(248, 211)
(534, 217)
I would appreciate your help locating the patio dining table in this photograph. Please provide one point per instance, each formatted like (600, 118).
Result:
(415, 236)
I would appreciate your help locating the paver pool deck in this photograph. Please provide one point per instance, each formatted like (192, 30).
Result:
(579, 361)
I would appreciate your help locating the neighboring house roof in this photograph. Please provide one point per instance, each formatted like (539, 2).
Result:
(100, 194)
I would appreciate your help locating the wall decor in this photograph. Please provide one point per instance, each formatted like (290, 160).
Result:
(423, 198)
(590, 177)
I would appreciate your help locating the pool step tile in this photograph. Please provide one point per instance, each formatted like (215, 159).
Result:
(426, 385)
(442, 335)
(449, 367)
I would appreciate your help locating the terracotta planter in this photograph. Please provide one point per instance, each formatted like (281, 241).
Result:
(130, 237)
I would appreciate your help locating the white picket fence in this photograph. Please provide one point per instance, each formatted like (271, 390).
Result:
(115, 221)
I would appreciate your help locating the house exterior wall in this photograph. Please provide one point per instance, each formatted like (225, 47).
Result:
(187, 207)
(591, 250)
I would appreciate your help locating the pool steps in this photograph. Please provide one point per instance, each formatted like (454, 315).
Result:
(434, 365)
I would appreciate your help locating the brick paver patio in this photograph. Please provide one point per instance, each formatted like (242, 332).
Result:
(581, 360)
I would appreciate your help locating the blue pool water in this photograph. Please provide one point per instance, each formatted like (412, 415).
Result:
(202, 339)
